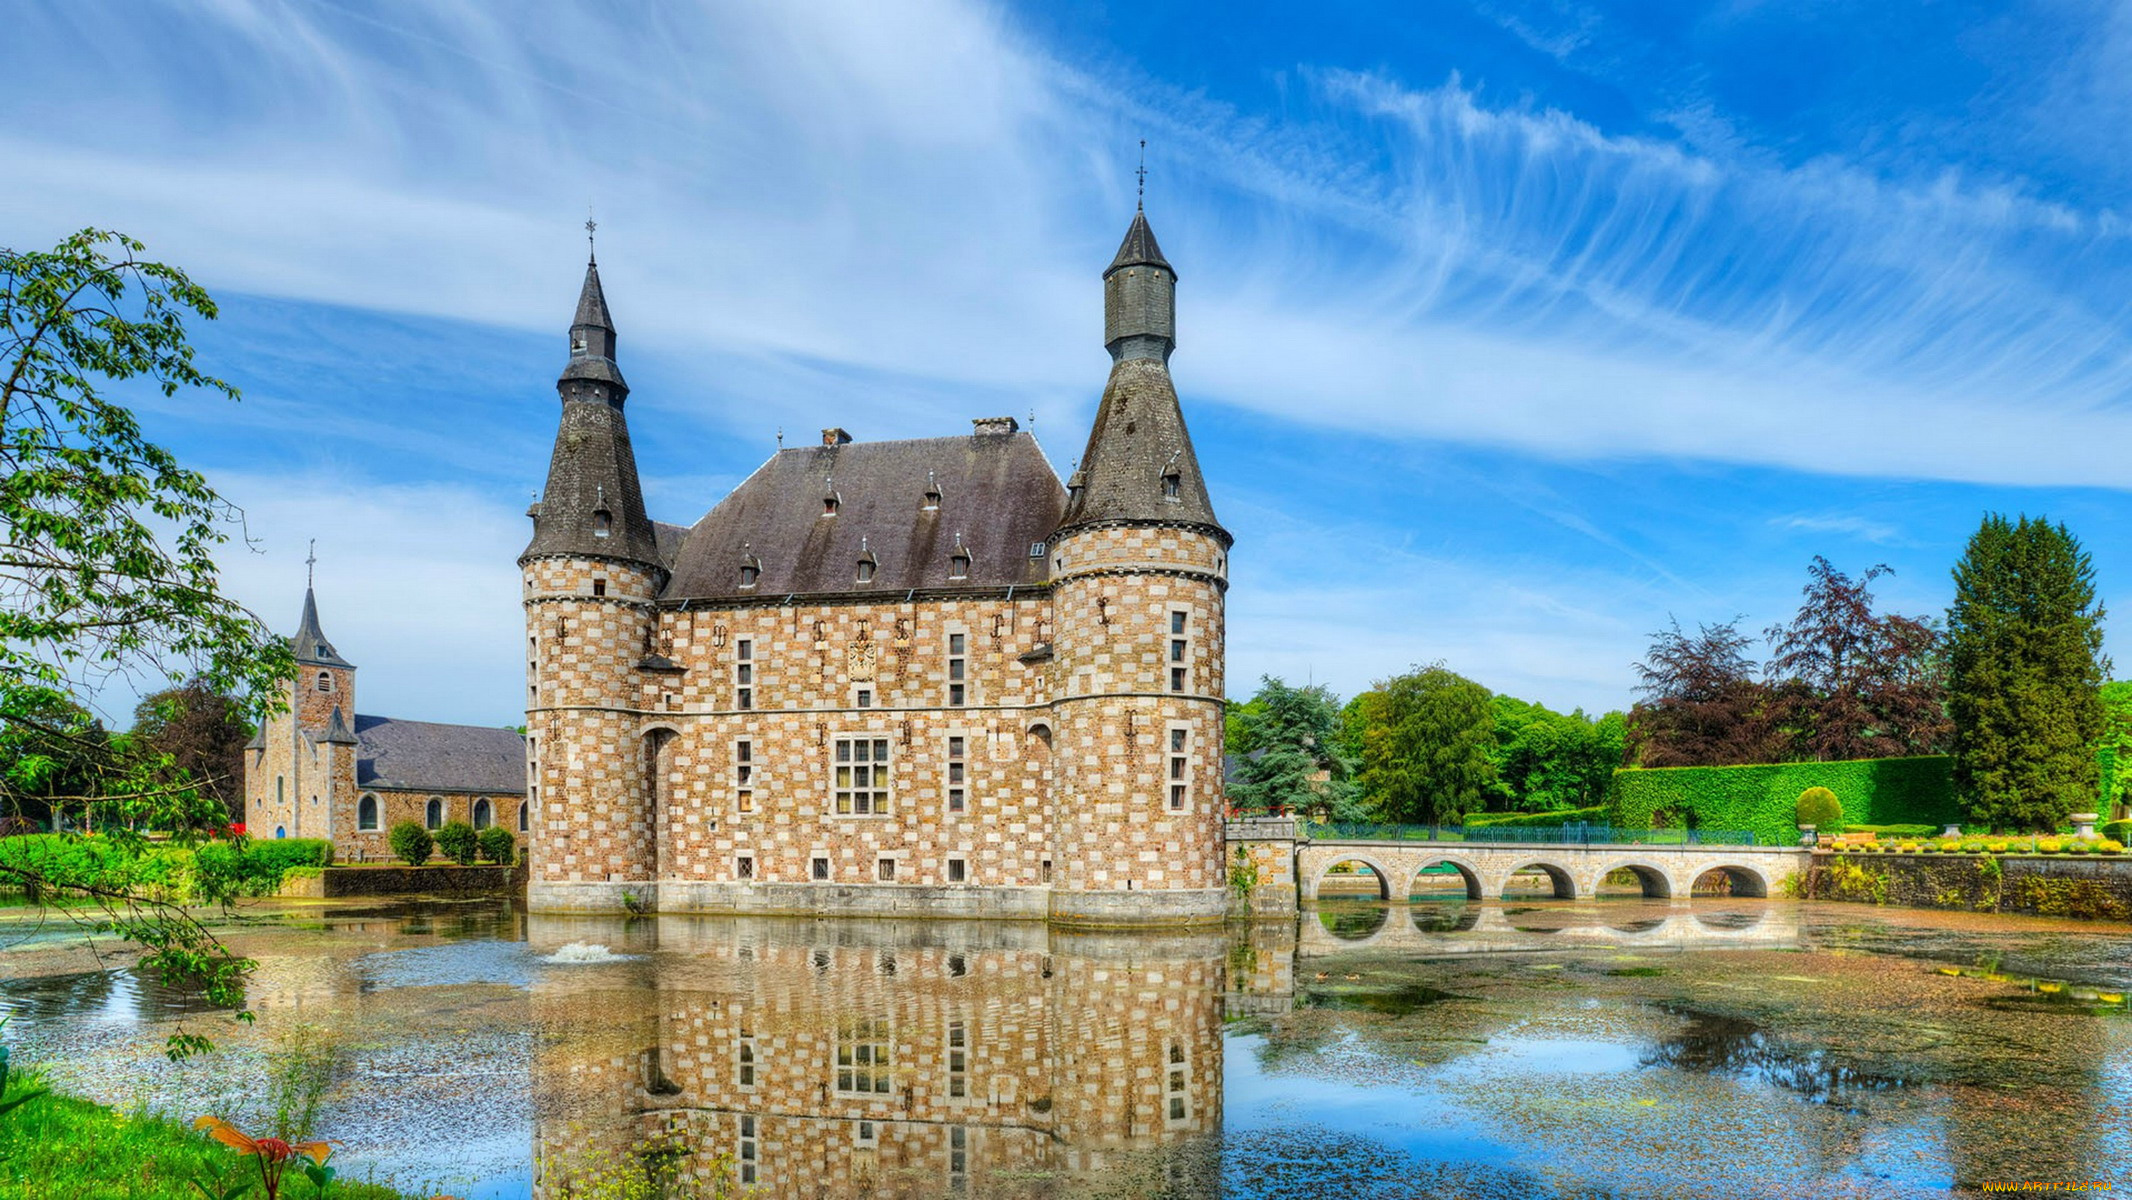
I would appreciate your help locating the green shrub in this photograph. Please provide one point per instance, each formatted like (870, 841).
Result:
(2116, 831)
(1818, 807)
(1877, 792)
(2077, 848)
(1893, 831)
(1595, 815)
(458, 842)
(498, 845)
(411, 843)
(1972, 847)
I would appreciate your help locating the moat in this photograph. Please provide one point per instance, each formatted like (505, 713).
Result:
(1717, 1048)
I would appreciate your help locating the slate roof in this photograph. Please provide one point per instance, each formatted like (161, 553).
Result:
(427, 756)
(996, 490)
(1138, 437)
(310, 644)
(1139, 248)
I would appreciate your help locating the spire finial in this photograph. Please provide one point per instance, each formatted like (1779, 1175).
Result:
(591, 226)
(1140, 204)
(310, 565)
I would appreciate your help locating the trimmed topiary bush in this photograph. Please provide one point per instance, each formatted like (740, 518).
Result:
(411, 843)
(458, 842)
(1818, 807)
(498, 845)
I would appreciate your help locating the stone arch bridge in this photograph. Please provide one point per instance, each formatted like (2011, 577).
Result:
(1575, 871)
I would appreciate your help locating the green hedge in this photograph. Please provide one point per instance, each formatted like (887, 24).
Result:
(164, 872)
(1873, 791)
(1595, 815)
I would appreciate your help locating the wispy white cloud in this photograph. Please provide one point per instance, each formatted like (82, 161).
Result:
(1879, 532)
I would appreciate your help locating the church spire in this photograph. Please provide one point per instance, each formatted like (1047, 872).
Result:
(1139, 467)
(310, 644)
(593, 504)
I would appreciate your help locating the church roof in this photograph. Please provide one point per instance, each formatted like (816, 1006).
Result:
(427, 756)
(997, 493)
(310, 642)
(592, 302)
(1139, 438)
(1139, 248)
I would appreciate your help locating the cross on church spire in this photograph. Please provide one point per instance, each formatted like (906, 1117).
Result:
(591, 226)
(310, 565)
(1140, 204)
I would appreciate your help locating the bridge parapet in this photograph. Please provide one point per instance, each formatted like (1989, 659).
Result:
(1576, 870)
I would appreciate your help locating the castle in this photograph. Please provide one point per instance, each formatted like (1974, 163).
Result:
(918, 677)
(321, 770)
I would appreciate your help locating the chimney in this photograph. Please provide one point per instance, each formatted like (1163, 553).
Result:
(834, 436)
(983, 425)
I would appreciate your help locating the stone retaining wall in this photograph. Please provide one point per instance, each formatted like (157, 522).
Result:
(2039, 885)
(335, 883)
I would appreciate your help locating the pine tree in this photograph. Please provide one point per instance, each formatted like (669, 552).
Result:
(2024, 674)
(1287, 743)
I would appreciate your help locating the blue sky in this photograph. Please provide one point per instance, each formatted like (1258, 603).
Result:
(1507, 331)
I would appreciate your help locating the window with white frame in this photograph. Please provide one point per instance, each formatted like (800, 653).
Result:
(1179, 777)
(862, 1058)
(1180, 649)
(433, 813)
(861, 782)
(746, 1151)
(958, 772)
(744, 1058)
(958, 669)
(958, 870)
(744, 775)
(366, 813)
(743, 673)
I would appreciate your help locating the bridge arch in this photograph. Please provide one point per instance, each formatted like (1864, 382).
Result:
(1656, 882)
(1741, 880)
(1468, 874)
(1565, 886)
(1375, 864)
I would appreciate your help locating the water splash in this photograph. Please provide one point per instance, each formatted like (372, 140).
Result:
(585, 952)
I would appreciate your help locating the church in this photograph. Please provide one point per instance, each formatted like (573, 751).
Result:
(322, 770)
(918, 677)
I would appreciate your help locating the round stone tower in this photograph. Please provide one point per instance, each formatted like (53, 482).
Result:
(591, 577)
(1140, 567)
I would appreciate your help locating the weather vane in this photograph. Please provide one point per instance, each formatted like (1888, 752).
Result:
(1141, 203)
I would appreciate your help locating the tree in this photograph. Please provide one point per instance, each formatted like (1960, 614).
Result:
(1289, 753)
(1423, 740)
(498, 845)
(411, 843)
(107, 569)
(2024, 674)
(459, 842)
(203, 732)
(1702, 706)
(50, 760)
(1852, 683)
(1546, 760)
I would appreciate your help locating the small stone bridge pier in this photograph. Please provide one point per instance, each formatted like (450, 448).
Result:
(1486, 868)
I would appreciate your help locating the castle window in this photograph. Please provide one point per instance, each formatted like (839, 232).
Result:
(958, 872)
(747, 1148)
(523, 821)
(1036, 549)
(864, 697)
(599, 587)
(958, 965)
(749, 573)
(744, 673)
(885, 871)
(866, 570)
(602, 523)
(819, 868)
(1180, 766)
(1177, 1086)
(482, 815)
(744, 1059)
(958, 669)
(958, 1060)
(744, 866)
(744, 775)
(1172, 486)
(959, 565)
(957, 766)
(433, 813)
(325, 681)
(959, 1159)
(862, 775)
(1180, 650)
(1046, 870)
(366, 813)
(862, 1058)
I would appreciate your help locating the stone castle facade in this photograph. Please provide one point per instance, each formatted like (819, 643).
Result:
(320, 770)
(921, 676)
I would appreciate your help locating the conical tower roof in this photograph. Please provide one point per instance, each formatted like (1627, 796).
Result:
(310, 644)
(1139, 466)
(592, 302)
(1139, 248)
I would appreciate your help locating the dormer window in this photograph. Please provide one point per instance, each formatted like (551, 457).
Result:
(866, 570)
(602, 524)
(1172, 485)
(829, 505)
(932, 499)
(749, 573)
(959, 565)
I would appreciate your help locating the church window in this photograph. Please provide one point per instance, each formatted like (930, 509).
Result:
(281, 795)
(862, 1058)
(744, 775)
(1180, 766)
(433, 813)
(862, 775)
(366, 813)
(325, 681)
(482, 814)
(1180, 650)
(523, 823)
(744, 673)
(958, 669)
(602, 523)
(958, 793)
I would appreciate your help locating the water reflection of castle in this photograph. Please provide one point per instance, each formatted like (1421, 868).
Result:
(835, 1059)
